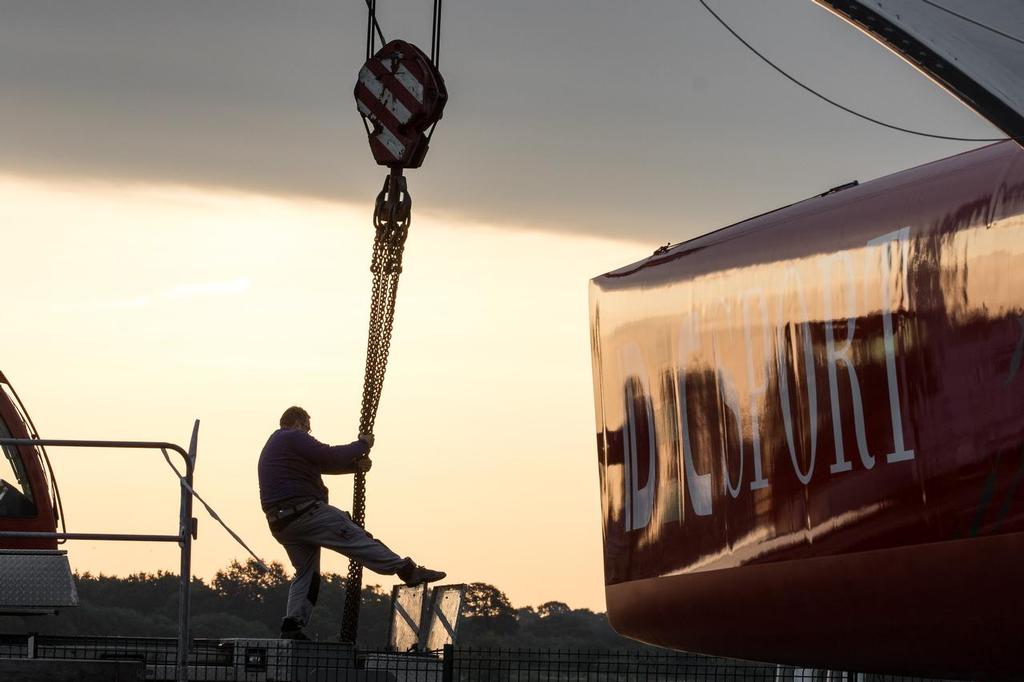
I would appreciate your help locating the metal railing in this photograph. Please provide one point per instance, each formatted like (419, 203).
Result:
(187, 527)
(259, 660)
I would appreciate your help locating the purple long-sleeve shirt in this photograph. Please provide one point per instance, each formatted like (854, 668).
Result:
(292, 461)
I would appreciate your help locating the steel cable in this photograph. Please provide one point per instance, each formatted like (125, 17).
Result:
(822, 97)
(213, 514)
(973, 21)
(372, 28)
(435, 34)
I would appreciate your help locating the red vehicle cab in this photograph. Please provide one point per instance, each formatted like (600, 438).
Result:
(25, 503)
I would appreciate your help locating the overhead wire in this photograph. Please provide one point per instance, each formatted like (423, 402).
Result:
(836, 104)
(973, 21)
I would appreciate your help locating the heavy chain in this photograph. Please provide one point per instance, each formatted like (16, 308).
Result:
(391, 217)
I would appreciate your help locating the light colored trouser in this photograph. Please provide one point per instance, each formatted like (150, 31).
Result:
(327, 526)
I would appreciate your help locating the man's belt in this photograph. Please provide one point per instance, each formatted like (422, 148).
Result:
(280, 517)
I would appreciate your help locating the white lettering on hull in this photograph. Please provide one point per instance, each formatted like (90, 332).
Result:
(728, 396)
(802, 330)
(770, 344)
(833, 357)
(900, 239)
(757, 381)
(639, 500)
(698, 486)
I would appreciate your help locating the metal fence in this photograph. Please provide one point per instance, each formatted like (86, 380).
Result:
(272, 660)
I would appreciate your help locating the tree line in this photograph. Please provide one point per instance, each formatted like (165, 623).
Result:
(244, 601)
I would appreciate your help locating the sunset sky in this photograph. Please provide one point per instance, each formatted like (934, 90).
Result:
(185, 196)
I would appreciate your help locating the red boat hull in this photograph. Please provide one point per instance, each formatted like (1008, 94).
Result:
(928, 609)
(811, 428)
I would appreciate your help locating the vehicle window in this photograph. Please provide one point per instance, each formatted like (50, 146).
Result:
(16, 499)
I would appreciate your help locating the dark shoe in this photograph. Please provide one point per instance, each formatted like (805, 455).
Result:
(413, 575)
(290, 629)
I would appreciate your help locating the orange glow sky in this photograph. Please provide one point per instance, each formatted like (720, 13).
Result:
(138, 310)
(185, 198)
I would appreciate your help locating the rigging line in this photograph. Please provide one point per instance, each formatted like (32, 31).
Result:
(435, 34)
(973, 21)
(369, 30)
(372, 28)
(212, 513)
(837, 104)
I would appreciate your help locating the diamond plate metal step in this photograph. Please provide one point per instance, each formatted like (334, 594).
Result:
(35, 581)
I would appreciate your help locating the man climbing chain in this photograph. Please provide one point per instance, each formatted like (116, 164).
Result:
(294, 498)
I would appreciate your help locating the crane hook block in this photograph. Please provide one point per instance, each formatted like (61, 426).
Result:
(400, 94)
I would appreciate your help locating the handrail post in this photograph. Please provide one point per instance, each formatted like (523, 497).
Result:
(184, 588)
(448, 663)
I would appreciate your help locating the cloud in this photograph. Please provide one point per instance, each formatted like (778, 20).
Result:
(623, 119)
